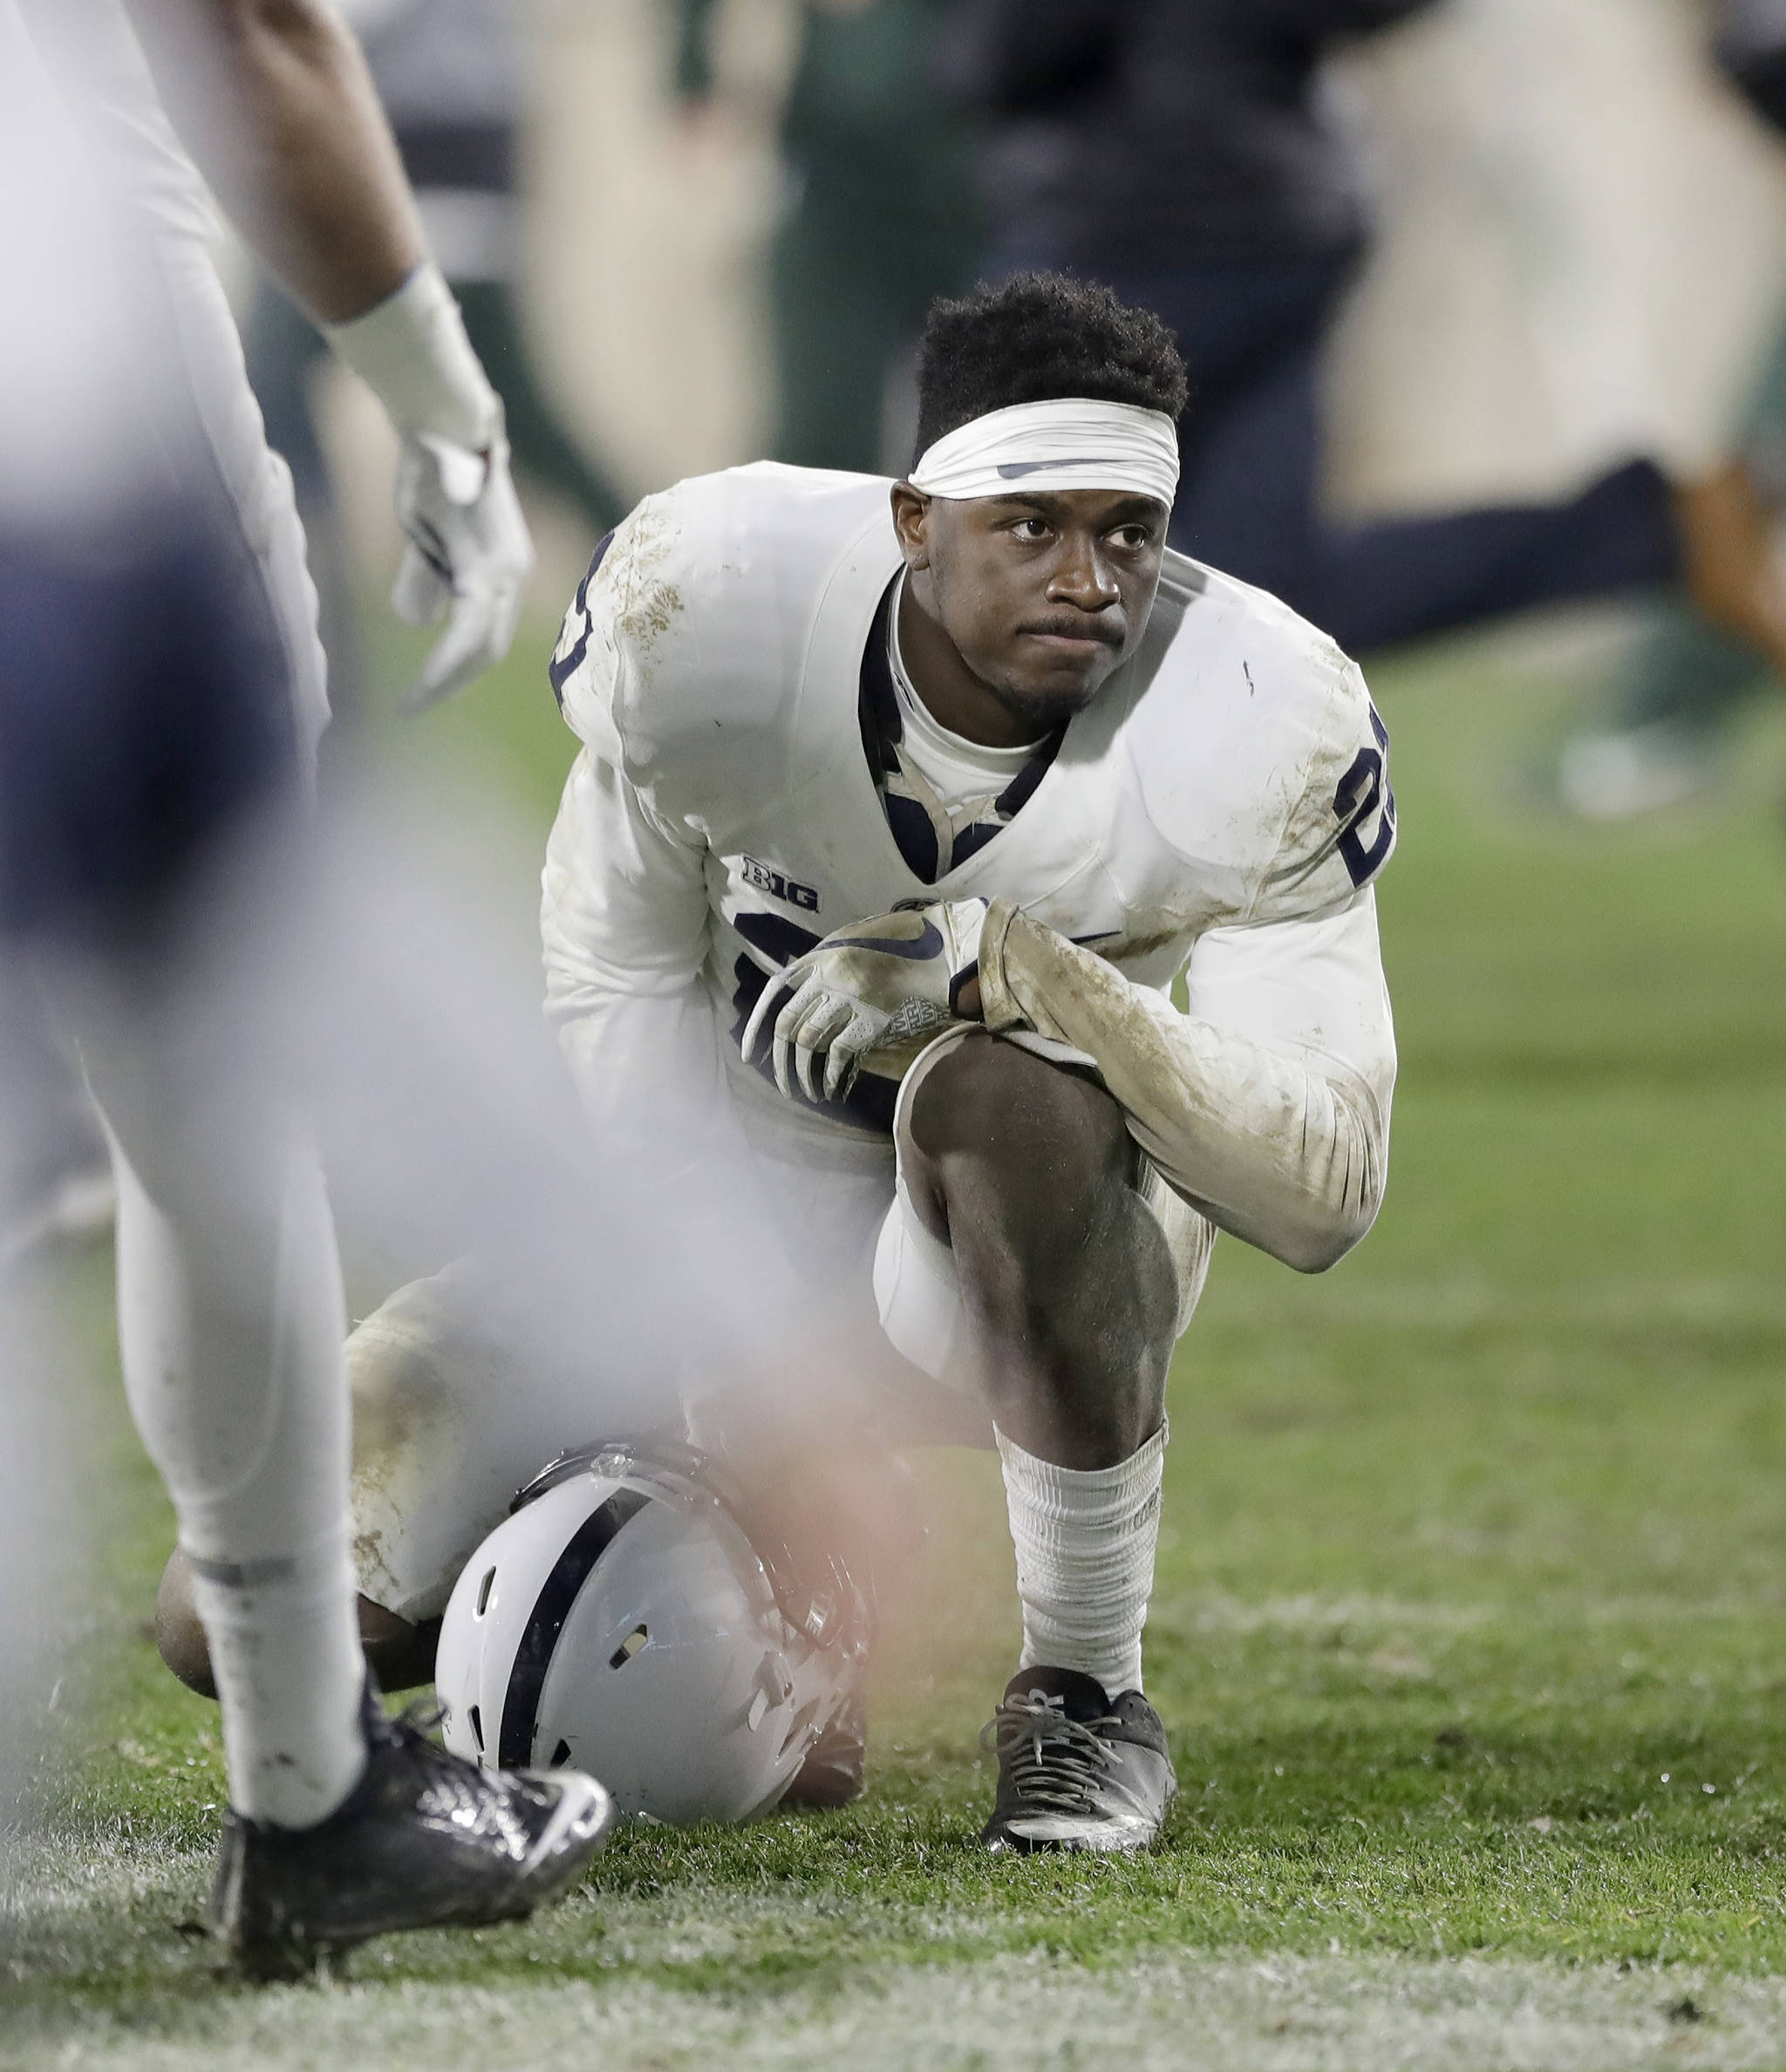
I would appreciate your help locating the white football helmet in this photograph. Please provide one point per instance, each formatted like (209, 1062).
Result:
(620, 1620)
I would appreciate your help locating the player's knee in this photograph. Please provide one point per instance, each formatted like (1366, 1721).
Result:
(395, 1374)
(994, 1121)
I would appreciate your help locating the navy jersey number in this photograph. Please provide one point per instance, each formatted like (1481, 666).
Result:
(1360, 793)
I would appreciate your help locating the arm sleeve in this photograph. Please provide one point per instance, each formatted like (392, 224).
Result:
(1267, 1105)
(623, 921)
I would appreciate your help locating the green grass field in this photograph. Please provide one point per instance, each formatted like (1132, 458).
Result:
(1471, 1603)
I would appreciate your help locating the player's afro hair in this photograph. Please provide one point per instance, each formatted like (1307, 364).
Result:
(1040, 336)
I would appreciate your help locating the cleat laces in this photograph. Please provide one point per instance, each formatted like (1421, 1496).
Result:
(1051, 1760)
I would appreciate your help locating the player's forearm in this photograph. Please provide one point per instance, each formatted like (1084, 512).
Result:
(1286, 1151)
(274, 100)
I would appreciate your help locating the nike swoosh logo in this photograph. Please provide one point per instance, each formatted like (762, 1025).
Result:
(926, 945)
(1014, 471)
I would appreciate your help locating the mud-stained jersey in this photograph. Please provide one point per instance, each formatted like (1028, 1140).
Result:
(1221, 809)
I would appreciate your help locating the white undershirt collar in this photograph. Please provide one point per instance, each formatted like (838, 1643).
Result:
(960, 772)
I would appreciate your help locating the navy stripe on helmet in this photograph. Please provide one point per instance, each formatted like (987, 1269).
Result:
(520, 1703)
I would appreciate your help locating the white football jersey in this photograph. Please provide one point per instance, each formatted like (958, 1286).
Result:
(1227, 786)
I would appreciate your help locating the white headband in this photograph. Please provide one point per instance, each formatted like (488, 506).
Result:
(1070, 443)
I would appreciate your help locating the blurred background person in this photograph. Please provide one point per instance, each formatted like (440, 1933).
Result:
(1681, 692)
(453, 79)
(1190, 155)
(877, 218)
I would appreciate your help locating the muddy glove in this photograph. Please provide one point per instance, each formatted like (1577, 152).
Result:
(872, 986)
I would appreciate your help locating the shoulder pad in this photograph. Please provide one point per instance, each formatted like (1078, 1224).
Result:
(691, 625)
(1256, 746)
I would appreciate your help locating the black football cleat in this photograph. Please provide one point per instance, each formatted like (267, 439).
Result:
(424, 1840)
(831, 1776)
(1077, 1770)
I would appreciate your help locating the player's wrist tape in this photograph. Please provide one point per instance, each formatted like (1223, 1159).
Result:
(1067, 442)
(411, 351)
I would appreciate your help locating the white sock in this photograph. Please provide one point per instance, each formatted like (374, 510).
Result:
(285, 1655)
(1085, 1541)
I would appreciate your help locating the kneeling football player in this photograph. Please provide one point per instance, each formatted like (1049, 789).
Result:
(900, 810)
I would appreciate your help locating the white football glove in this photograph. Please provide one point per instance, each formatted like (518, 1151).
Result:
(866, 987)
(468, 555)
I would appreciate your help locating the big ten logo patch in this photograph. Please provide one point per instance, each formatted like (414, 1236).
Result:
(768, 879)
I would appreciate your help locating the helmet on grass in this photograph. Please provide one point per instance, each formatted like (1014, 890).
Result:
(621, 1620)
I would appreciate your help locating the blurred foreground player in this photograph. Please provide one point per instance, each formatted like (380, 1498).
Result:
(160, 694)
(901, 807)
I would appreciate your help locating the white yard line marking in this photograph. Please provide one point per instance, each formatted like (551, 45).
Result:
(1192, 2015)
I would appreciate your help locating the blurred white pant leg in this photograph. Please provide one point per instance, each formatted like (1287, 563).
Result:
(231, 1312)
(230, 1324)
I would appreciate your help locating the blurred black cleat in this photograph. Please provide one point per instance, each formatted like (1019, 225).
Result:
(425, 1840)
